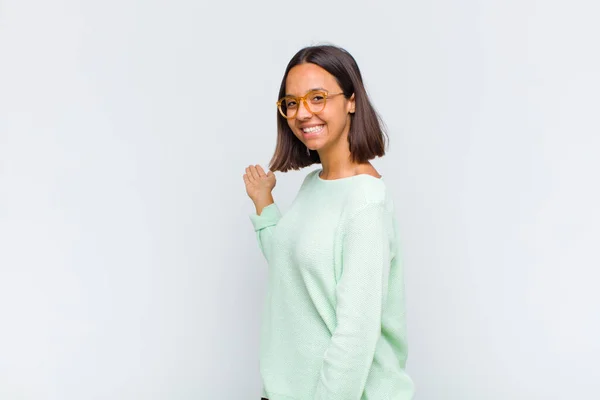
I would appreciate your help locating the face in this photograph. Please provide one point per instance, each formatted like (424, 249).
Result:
(329, 128)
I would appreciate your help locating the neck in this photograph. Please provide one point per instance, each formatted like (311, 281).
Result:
(336, 161)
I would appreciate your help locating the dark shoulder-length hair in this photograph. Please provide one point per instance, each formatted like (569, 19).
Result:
(366, 138)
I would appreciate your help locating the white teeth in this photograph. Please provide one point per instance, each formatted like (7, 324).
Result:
(312, 129)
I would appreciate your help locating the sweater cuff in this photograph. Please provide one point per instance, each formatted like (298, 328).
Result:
(269, 216)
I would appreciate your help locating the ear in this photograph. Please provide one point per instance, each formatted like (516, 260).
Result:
(351, 104)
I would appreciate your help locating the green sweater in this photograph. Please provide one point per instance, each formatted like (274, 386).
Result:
(333, 324)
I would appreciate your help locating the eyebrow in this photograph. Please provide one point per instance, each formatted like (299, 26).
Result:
(310, 90)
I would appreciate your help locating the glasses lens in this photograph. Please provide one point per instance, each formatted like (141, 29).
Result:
(288, 106)
(316, 101)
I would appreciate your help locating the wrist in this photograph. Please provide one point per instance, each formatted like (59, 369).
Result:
(263, 201)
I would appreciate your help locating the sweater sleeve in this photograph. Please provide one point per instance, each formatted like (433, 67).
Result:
(359, 302)
(264, 225)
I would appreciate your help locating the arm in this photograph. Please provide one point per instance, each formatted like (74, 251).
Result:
(359, 295)
(259, 186)
(264, 222)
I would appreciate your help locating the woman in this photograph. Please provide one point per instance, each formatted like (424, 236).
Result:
(334, 321)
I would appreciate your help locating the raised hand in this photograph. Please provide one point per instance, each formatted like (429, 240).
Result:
(259, 186)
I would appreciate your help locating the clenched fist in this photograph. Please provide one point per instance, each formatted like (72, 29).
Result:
(259, 186)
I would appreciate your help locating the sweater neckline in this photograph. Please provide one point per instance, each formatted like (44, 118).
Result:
(347, 178)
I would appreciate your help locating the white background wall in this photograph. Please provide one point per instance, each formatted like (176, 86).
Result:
(128, 265)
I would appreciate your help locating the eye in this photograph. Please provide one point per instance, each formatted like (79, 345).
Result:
(317, 98)
(290, 103)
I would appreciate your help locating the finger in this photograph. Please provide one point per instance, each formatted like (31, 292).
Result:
(261, 171)
(254, 172)
(246, 179)
(249, 174)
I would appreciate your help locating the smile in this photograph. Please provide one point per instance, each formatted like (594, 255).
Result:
(313, 130)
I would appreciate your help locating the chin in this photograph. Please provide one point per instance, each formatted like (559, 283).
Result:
(313, 146)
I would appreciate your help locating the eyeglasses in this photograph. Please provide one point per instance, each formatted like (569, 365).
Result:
(314, 101)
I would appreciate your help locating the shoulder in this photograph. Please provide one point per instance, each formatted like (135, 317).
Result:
(310, 177)
(366, 191)
(368, 187)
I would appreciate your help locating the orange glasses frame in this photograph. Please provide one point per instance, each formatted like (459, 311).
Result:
(303, 100)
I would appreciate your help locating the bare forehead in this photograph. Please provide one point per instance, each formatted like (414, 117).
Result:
(305, 77)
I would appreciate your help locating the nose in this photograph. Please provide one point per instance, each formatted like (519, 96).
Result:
(303, 111)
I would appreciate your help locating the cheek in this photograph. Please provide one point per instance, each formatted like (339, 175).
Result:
(291, 126)
(334, 118)
(295, 132)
